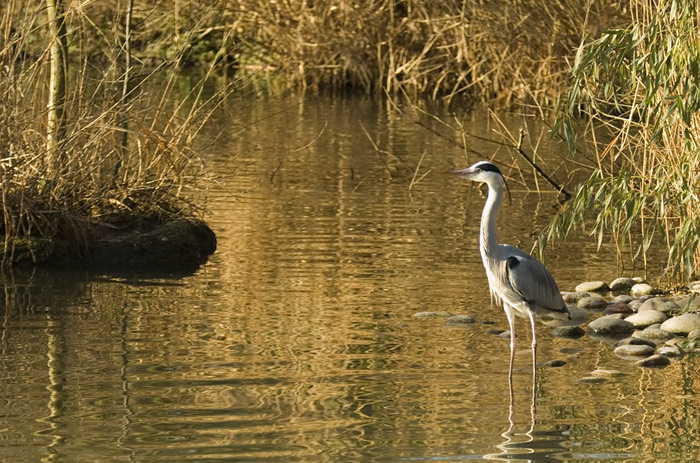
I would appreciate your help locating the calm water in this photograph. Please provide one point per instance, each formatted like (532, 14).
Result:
(297, 341)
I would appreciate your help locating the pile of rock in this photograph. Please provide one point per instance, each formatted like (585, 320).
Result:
(653, 327)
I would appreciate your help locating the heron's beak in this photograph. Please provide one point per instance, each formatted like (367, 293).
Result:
(467, 172)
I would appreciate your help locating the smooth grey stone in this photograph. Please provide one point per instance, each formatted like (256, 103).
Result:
(592, 302)
(568, 331)
(646, 318)
(635, 304)
(656, 335)
(642, 289)
(682, 324)
(593, 286)
(669, 351)
(622, 284)
(634, 350)
(660, 304)
(623, 298)
(610, 324)
(655, 361)
(635, 341)
(464, 319)
(694, 334)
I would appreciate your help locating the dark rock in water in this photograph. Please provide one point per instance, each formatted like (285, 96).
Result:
(497, 331)
(555, 363)
(622, 284)
(618, 307)
(592, 379)
(655, 361)
(568, 331)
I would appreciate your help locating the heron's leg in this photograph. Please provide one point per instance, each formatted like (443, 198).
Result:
(534, 368)
(510, 315)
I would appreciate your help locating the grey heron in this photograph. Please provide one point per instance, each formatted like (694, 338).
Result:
(519, 281)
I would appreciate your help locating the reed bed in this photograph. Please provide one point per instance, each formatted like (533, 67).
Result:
(499, 51)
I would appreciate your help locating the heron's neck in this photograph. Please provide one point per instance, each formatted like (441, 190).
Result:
(487, 236)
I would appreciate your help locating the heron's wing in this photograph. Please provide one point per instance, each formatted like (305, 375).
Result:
(532, 281)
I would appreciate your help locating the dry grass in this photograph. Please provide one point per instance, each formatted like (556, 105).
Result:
(498, 50)
(92, 182)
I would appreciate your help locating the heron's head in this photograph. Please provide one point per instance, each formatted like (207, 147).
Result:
(482, 172)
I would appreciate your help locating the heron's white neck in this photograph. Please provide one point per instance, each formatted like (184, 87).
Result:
(487, 237)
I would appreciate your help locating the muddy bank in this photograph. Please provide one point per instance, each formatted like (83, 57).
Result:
(177, 243)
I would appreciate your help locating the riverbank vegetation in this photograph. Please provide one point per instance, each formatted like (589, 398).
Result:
(637, 91)
(89, 147)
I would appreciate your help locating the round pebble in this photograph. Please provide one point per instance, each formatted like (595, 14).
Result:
(634, 350)
(659, 304)
(646, 318)
(593, 286)
(682, 324)
(694, 334)
(568, 331)
(610, 324)
(655, 361)
(637, 341)
(656, 335)
(623, 298)
(641, 289)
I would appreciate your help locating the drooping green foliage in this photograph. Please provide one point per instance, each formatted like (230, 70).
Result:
(638, 91)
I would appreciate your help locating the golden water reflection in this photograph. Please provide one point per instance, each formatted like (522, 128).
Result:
(297, 341)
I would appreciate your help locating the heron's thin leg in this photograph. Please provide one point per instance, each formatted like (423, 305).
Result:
(534, 370)
(511, 323)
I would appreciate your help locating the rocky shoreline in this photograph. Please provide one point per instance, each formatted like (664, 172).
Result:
(646, 325)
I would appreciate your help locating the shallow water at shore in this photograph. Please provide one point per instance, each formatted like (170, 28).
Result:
(297, 341)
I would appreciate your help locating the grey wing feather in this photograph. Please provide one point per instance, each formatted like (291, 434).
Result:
(529, 278)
